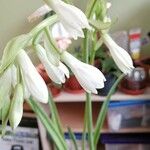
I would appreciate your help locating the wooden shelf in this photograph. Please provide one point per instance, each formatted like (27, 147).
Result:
(71, 111)
(118, 96)
(72, 115)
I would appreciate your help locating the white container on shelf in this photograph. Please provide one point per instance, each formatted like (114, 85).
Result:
(127, 114)
(127, 147)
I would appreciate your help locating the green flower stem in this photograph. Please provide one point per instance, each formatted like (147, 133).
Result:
(90, 121)
(103, 111)
(90, 10)
(58, 140)
(47, 22)
(51, 40)
(84, 128)
(92, 57)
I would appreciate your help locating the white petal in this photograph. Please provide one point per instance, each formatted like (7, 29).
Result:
(14, 75)
(52, 55)
(108, 5)
(120, 56)
(34, 82)
(38, 13)
(53, 72)
(88, 76)
(58, 31)
(26, 93)
(72, 18)
(64, 69)
(5, 86)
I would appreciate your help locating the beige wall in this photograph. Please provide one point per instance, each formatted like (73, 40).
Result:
(130, 14)
(13, 19)
(13, 13)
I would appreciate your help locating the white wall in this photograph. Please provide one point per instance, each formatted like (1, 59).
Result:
(13, 14)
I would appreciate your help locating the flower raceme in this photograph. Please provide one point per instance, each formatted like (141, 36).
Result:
(72, 18)
(35, 85)
(120, 56)
(89, 77)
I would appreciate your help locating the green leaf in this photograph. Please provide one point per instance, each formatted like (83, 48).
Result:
(12, 49)
(50, 127)
(99, 25)
(103, 112)
(54, 114)
(16, 108)
(73, 138)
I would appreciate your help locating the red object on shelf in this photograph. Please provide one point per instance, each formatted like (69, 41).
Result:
(145, 63)
(135, 88)
(72, 85)
(131, 92)
(54, 89)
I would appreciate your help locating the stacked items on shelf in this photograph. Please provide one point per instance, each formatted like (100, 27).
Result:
(126, 141)
(128, 114)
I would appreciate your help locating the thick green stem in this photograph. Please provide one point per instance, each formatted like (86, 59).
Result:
(92, 57)
(47, 22)
(84, 127)
(89, 121)
(92, 5)
(103, 111)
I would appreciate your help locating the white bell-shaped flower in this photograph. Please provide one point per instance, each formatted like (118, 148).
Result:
(120, 56)
(56, 73)
(33, 81)
(72, 18)
(89, 77)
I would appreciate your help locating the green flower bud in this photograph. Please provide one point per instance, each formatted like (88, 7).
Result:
(16, 108)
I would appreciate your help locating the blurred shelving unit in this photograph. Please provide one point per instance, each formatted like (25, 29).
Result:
(71, 110)
(118, 96)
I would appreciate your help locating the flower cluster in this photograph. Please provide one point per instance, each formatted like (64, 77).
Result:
(19, 78)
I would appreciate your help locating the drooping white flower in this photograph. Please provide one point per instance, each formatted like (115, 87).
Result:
(56, 73)
(120, 56)
(88, 76)
(33, 81)
(72, 18)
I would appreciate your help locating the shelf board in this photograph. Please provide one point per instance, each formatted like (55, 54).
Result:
(118, 96)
